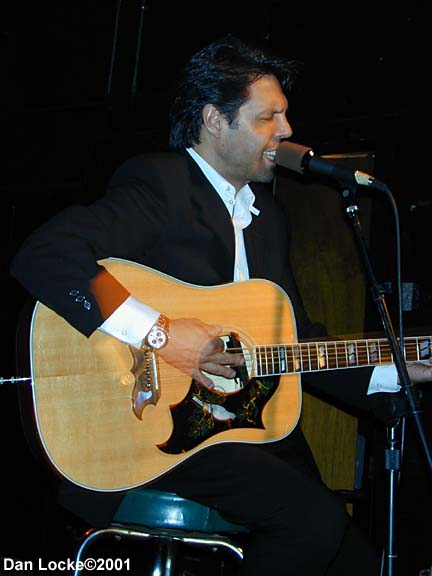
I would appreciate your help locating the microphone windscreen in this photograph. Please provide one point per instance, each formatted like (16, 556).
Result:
(290, 155)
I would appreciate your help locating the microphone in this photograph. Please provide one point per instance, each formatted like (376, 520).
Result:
(302, 159)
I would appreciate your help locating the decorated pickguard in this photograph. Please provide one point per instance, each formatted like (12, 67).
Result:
(203, 413)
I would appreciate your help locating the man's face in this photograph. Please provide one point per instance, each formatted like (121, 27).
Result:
(246, 150)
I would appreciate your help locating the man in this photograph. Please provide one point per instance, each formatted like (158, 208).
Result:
(204, 215)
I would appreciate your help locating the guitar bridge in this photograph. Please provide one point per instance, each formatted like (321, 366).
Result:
(146, 388)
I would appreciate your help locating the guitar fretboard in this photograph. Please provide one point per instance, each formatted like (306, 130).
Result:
(330, 355)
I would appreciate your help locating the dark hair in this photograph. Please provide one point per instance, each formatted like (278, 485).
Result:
(221, 74)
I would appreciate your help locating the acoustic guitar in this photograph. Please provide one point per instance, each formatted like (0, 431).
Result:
(110, 417)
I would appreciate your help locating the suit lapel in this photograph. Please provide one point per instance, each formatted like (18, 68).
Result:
(212, 211)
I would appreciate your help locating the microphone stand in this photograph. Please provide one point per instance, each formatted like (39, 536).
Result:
(392, 449)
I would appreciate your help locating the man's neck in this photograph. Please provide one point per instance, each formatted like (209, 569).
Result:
(210, 157)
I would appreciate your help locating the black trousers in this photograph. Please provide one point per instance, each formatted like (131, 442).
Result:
(298, 526)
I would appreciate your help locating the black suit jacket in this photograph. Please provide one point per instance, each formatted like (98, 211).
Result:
(161, 211)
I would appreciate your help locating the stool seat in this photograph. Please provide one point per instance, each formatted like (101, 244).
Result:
(167, 519)
(157, 509)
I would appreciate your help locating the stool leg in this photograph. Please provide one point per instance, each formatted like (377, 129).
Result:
(166, 552)
(91, 536)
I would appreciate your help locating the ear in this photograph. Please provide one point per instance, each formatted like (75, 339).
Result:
(212, 119)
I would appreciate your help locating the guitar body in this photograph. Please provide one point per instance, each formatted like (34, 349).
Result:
(82, 387)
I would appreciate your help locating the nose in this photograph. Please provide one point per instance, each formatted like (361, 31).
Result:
(285, 128)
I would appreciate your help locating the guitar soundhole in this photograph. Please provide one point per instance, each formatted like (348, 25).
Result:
(243, 373)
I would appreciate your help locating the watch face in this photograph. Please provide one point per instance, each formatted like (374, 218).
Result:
(157, 338)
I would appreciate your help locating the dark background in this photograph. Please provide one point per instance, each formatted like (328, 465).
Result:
(86, 84)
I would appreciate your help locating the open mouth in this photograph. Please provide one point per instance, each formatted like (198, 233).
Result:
(270, 155)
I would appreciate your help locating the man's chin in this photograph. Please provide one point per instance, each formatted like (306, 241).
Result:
(264, 176)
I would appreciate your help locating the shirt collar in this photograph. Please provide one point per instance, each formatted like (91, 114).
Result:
(241, 202)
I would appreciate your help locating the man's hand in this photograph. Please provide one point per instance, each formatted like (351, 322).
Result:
(194, 346)
(420, 372)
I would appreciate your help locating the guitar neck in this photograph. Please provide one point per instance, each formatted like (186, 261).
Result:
(332, 355)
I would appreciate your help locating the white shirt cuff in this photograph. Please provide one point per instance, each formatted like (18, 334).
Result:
(384, 379)
(130, 322)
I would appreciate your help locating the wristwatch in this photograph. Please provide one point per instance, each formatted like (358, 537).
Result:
(158, 334)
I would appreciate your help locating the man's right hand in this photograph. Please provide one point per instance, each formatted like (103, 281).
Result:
(194, 346)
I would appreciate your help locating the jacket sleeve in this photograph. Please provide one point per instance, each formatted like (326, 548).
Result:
(58, 264)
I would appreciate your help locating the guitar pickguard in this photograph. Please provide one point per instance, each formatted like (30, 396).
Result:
(204, 413)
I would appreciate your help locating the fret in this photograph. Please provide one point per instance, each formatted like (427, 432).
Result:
(385, 353)
(294, 356)
(289, 360)
(273, 364)
(282, 359)
(298, 360)
(355, 359)
(306, 360)
(369, 349)
(257, 361)
(276, 360)
(298, 366)
(346, 354)
(265, 360)
(361, 360)
(309, 358)
(254, 357)
(317, 356)
(340, 354)
(316, 364)
(374, 352)
(419, 348)
(411, 351)
(350, 354)
(322, 356)
(349, 351)
(336, 355)
(327, 355)
(332, 358)
(362, 353)
(267, 370)
(314, 356)
(272, 360)
(260, 361)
